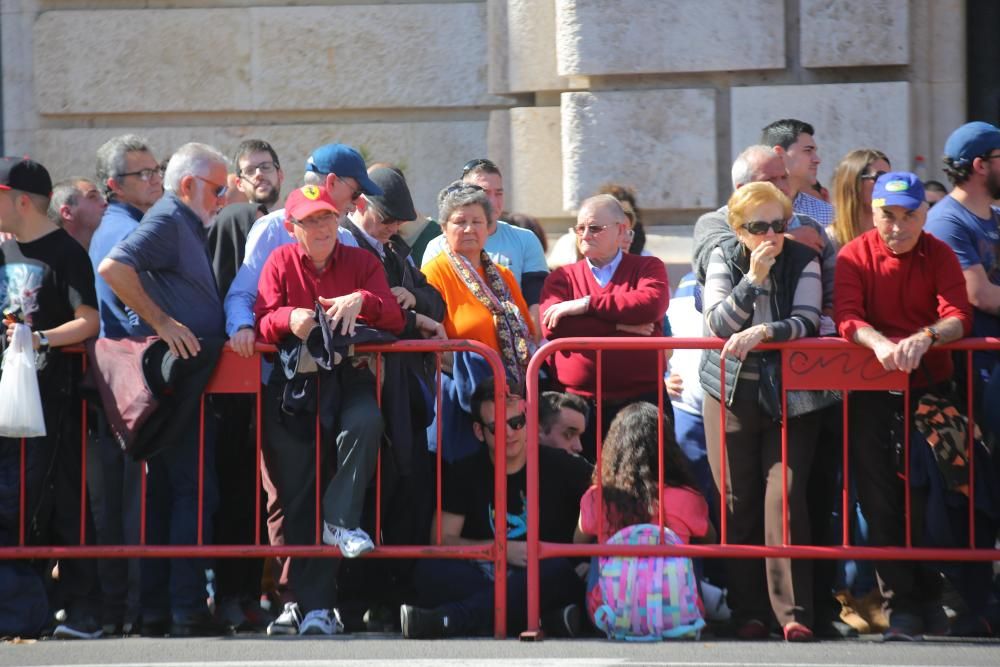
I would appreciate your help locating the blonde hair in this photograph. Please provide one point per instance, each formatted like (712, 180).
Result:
(845, 193)
(752, 195)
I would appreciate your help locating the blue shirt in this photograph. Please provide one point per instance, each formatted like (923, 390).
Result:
(511, 247)
(168, 251)
(266, 234)
(976, 242)
(118, 221)
(817, 209)
(604, 274)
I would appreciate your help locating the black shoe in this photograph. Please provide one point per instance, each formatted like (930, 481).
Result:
(420, 623)
(564, 622)
(199, 624)
(154, 627)
(833, 629)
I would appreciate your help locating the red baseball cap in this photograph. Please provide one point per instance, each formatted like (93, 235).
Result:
(303, 202)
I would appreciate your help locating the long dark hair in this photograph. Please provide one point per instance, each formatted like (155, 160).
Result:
(628, 474)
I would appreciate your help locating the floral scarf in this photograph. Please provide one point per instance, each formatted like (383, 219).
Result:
(516, 344)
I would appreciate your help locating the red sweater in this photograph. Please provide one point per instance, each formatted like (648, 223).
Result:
(900, 294)
(637, 294)
(289, 280)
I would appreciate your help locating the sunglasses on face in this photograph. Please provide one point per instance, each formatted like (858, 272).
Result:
(478, 162)
(354, 194)
(872, 177)
(760, 227)
(593, 230)
(516, 423)
(217, 190)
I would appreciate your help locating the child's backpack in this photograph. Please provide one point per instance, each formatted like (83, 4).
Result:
(646, 598)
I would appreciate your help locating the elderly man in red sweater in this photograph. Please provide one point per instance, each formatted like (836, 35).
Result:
(350, 283)
(607, 293)
(900, 292)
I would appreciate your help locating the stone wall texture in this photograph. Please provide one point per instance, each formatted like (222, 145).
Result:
(563, 94)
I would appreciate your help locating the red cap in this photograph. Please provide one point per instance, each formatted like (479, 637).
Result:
(303, 202)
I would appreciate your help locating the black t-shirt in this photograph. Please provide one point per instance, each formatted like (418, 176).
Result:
(563, 479)
(46, 280)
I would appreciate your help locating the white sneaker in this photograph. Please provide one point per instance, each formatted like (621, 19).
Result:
(321, 622)
(352, 542)
(287, 622)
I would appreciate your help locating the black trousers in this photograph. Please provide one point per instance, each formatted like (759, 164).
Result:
(875, 467)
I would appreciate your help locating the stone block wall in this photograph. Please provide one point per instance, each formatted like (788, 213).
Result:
(563, 94)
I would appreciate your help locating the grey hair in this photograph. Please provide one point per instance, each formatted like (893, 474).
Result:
(63, 193)
(746, 161)
(191, 160)
(313, 178)
(606, 201)
(111, 157)
(460, 194)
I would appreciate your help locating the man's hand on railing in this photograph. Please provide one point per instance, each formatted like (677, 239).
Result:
(911, 350)
(243, 342)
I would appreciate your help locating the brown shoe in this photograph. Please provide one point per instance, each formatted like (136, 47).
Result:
(872, 608)
(849, 614)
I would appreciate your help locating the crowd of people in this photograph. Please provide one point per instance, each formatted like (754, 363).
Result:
(159, 267)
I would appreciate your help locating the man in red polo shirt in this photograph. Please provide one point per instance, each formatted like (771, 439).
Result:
(351, 285)
(897, 282)
(607, 293)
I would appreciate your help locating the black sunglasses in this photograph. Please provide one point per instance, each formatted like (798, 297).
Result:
(479, 162)
(516, 422)
(760, 227)
(872, 177)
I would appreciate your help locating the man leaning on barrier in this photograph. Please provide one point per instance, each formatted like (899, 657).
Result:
(896, 281)
(298, 281)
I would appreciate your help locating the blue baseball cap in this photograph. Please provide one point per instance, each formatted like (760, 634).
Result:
(345, 162)
(970, 141)
(898, 188)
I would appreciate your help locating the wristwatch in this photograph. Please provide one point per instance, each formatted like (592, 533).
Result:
(43, 341)
(931, 333)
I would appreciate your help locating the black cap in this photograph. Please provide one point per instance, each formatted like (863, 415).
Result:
(395, 200)
(20, 173)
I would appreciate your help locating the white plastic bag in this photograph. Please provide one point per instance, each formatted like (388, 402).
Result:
(20, 403)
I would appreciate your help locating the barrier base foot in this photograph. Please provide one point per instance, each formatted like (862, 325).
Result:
(532, 636)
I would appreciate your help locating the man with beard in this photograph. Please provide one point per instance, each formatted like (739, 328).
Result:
(258, 173)
(162, 272)
(969, 223)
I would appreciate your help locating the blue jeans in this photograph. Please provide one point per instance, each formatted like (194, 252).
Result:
(463, 590)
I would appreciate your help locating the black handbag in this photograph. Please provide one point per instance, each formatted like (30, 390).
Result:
(799, 402)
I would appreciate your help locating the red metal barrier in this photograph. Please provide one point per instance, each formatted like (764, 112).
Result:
(237, 375)
(819, 363)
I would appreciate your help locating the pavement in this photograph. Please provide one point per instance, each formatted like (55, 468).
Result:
(368, 649)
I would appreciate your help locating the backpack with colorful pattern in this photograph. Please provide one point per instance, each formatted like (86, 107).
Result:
(647, 598)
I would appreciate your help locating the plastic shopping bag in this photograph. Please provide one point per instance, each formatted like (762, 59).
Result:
(20, 403)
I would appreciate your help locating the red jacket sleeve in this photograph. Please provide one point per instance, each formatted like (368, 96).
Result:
(849, 294)
(271, 310)
(953, 298)
(379, 307)
(558, 288)
(645, 303)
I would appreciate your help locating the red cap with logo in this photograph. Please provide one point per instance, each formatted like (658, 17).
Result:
(303, 202)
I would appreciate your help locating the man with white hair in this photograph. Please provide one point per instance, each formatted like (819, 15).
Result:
(162, 272)
(607, 293)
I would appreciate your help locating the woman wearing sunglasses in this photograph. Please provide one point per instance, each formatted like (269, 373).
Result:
(852, 186)
(761, 287)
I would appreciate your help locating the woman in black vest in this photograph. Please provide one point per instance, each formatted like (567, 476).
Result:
(761, 287)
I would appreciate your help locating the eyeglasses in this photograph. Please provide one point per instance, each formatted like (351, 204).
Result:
(144, 174)
(219, 191)
(355, 194)
(594, 230)
(516, 423)
(315, 222)
(990, 157)
(267, 168)
(760, 227)
(472, 165)
(872, 177)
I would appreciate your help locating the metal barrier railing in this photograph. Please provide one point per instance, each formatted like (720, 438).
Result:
(238, 375)
(809, 364)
